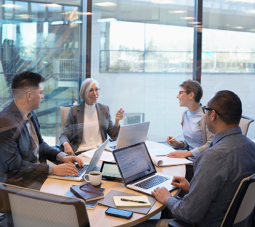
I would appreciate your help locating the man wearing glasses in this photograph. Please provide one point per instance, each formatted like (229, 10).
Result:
(217, 171)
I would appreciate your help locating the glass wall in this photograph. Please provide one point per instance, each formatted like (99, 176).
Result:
(43, 38)
(141, 52)
(229, 47)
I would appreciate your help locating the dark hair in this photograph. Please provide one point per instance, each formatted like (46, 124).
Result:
(26, 80)
(193, 86)
(228, 105)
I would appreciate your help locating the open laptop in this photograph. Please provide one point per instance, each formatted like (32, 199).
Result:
(138, 171)
(130, 134)
(87, 166)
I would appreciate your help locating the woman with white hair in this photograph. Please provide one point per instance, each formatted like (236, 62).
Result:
(89, 122)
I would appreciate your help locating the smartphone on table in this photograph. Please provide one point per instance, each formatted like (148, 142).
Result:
(119, 213)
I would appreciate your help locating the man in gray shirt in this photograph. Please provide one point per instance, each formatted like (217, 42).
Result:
(217, 172)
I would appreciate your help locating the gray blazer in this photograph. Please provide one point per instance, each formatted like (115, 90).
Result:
(73, 130)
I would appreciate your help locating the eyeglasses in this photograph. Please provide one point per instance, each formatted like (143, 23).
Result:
(207, 108)
(180, 92)
(97, 90)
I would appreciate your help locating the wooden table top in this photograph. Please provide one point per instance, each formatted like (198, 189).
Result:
(97, 216)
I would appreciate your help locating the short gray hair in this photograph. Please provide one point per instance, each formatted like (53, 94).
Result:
(85, 87)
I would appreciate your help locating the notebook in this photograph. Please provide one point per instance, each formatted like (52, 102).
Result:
(166, 161)
(89, 205)
(108, 201)
(138, 171)
(87, 166)
(131, 201)
(87, 192)
(130, 134)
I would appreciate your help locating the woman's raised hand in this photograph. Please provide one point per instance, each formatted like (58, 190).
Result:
(120, 114)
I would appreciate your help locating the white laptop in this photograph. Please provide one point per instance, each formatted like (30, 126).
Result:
(130, 134)
(138, 171)
(87, 166)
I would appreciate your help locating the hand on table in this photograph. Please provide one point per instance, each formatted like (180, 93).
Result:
(181, 182)
(161, 194)
(68, 149)
(179, 154)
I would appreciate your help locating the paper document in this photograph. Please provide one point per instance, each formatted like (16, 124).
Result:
(165, 161)
(119, 203)
(106, 156)
(161, 151)
(158, 149)
(151, 144)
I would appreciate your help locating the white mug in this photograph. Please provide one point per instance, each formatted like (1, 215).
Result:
(95, 178)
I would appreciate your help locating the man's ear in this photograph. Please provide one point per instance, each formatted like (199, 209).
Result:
(213, 115)
(28, 95)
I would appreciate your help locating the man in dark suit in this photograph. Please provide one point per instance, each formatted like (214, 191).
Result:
(23, 152)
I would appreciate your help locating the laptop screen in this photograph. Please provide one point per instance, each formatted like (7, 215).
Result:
(132, 134)
(134, 162)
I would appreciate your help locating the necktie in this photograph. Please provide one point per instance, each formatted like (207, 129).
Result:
(33, 136)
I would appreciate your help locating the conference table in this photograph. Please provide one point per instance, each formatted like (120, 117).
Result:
(97, 216)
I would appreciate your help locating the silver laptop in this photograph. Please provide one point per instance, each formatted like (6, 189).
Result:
(138, 171)
(130, 134)
(87, 166)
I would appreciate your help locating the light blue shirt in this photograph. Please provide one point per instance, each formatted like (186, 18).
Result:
(191, 131)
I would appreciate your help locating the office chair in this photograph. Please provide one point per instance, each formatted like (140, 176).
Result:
(28, 208)
(63, 111)
(241, 211)
(244, 124)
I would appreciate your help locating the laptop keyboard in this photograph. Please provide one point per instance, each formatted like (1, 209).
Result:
(80, 170)
(149, 183)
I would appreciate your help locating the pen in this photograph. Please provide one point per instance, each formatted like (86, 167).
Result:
(174, 138)
(130, 200)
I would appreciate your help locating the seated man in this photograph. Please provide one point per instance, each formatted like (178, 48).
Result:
(217, 172)
(23, 152)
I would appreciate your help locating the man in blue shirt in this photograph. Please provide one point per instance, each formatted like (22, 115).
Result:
(217, 172)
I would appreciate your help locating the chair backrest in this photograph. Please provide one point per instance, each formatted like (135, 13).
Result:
(26, 207)
(241, 209)
(64, 110)
(244, 124)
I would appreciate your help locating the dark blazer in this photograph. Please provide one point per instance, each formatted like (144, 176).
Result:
(17, 159)
(73, 130)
